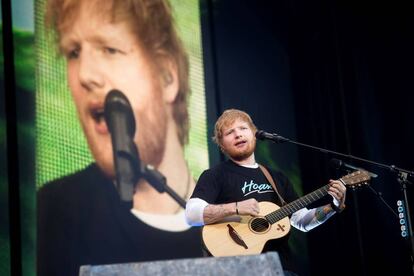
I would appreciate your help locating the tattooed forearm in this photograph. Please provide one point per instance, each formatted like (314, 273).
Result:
(321, 213)
(213, 213)
(305, 220)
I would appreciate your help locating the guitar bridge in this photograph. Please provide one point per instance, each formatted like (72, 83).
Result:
(235, 237)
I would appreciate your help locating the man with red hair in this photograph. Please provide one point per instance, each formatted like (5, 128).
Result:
(235, 186)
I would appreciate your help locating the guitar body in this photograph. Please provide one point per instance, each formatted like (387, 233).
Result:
(244, 235)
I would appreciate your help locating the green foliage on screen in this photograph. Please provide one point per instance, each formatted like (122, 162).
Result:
(187, 16)
(24, 62)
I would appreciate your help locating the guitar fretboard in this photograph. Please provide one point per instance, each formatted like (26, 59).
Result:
(298, 204)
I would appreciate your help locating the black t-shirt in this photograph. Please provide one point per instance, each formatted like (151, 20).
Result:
(229, 182)
(81, 220)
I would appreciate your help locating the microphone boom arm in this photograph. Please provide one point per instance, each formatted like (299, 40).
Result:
(402, 175)
(159, 183)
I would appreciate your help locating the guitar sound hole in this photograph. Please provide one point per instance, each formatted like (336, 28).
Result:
(259, 225)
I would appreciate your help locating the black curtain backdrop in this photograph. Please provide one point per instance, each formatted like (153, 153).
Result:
(333, 74)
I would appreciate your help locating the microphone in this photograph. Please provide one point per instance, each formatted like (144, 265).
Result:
(339, 164)
(120, 120)
(263, 135)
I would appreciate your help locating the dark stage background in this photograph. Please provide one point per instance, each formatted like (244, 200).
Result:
(333, 74)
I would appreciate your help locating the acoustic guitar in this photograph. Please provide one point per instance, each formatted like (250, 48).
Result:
(246, 235)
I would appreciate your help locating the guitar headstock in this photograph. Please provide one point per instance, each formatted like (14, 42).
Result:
(356, 178)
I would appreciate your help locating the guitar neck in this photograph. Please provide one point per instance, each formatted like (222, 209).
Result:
(298, 204)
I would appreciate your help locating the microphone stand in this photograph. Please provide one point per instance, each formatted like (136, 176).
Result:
(156, 179)
(159, 182)
(402, 176)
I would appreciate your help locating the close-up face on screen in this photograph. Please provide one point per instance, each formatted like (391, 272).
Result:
(62, 127)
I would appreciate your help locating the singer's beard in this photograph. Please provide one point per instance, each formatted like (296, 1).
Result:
(151, 136)
(244, 154)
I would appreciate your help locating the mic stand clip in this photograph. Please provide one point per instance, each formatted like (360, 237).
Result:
(158, 181)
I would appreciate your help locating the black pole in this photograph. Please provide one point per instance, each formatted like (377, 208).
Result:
(12, 144)
(402, 178)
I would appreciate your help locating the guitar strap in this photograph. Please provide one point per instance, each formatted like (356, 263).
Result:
(270, 179)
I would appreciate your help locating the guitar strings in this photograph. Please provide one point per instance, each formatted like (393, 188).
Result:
(280, 214)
